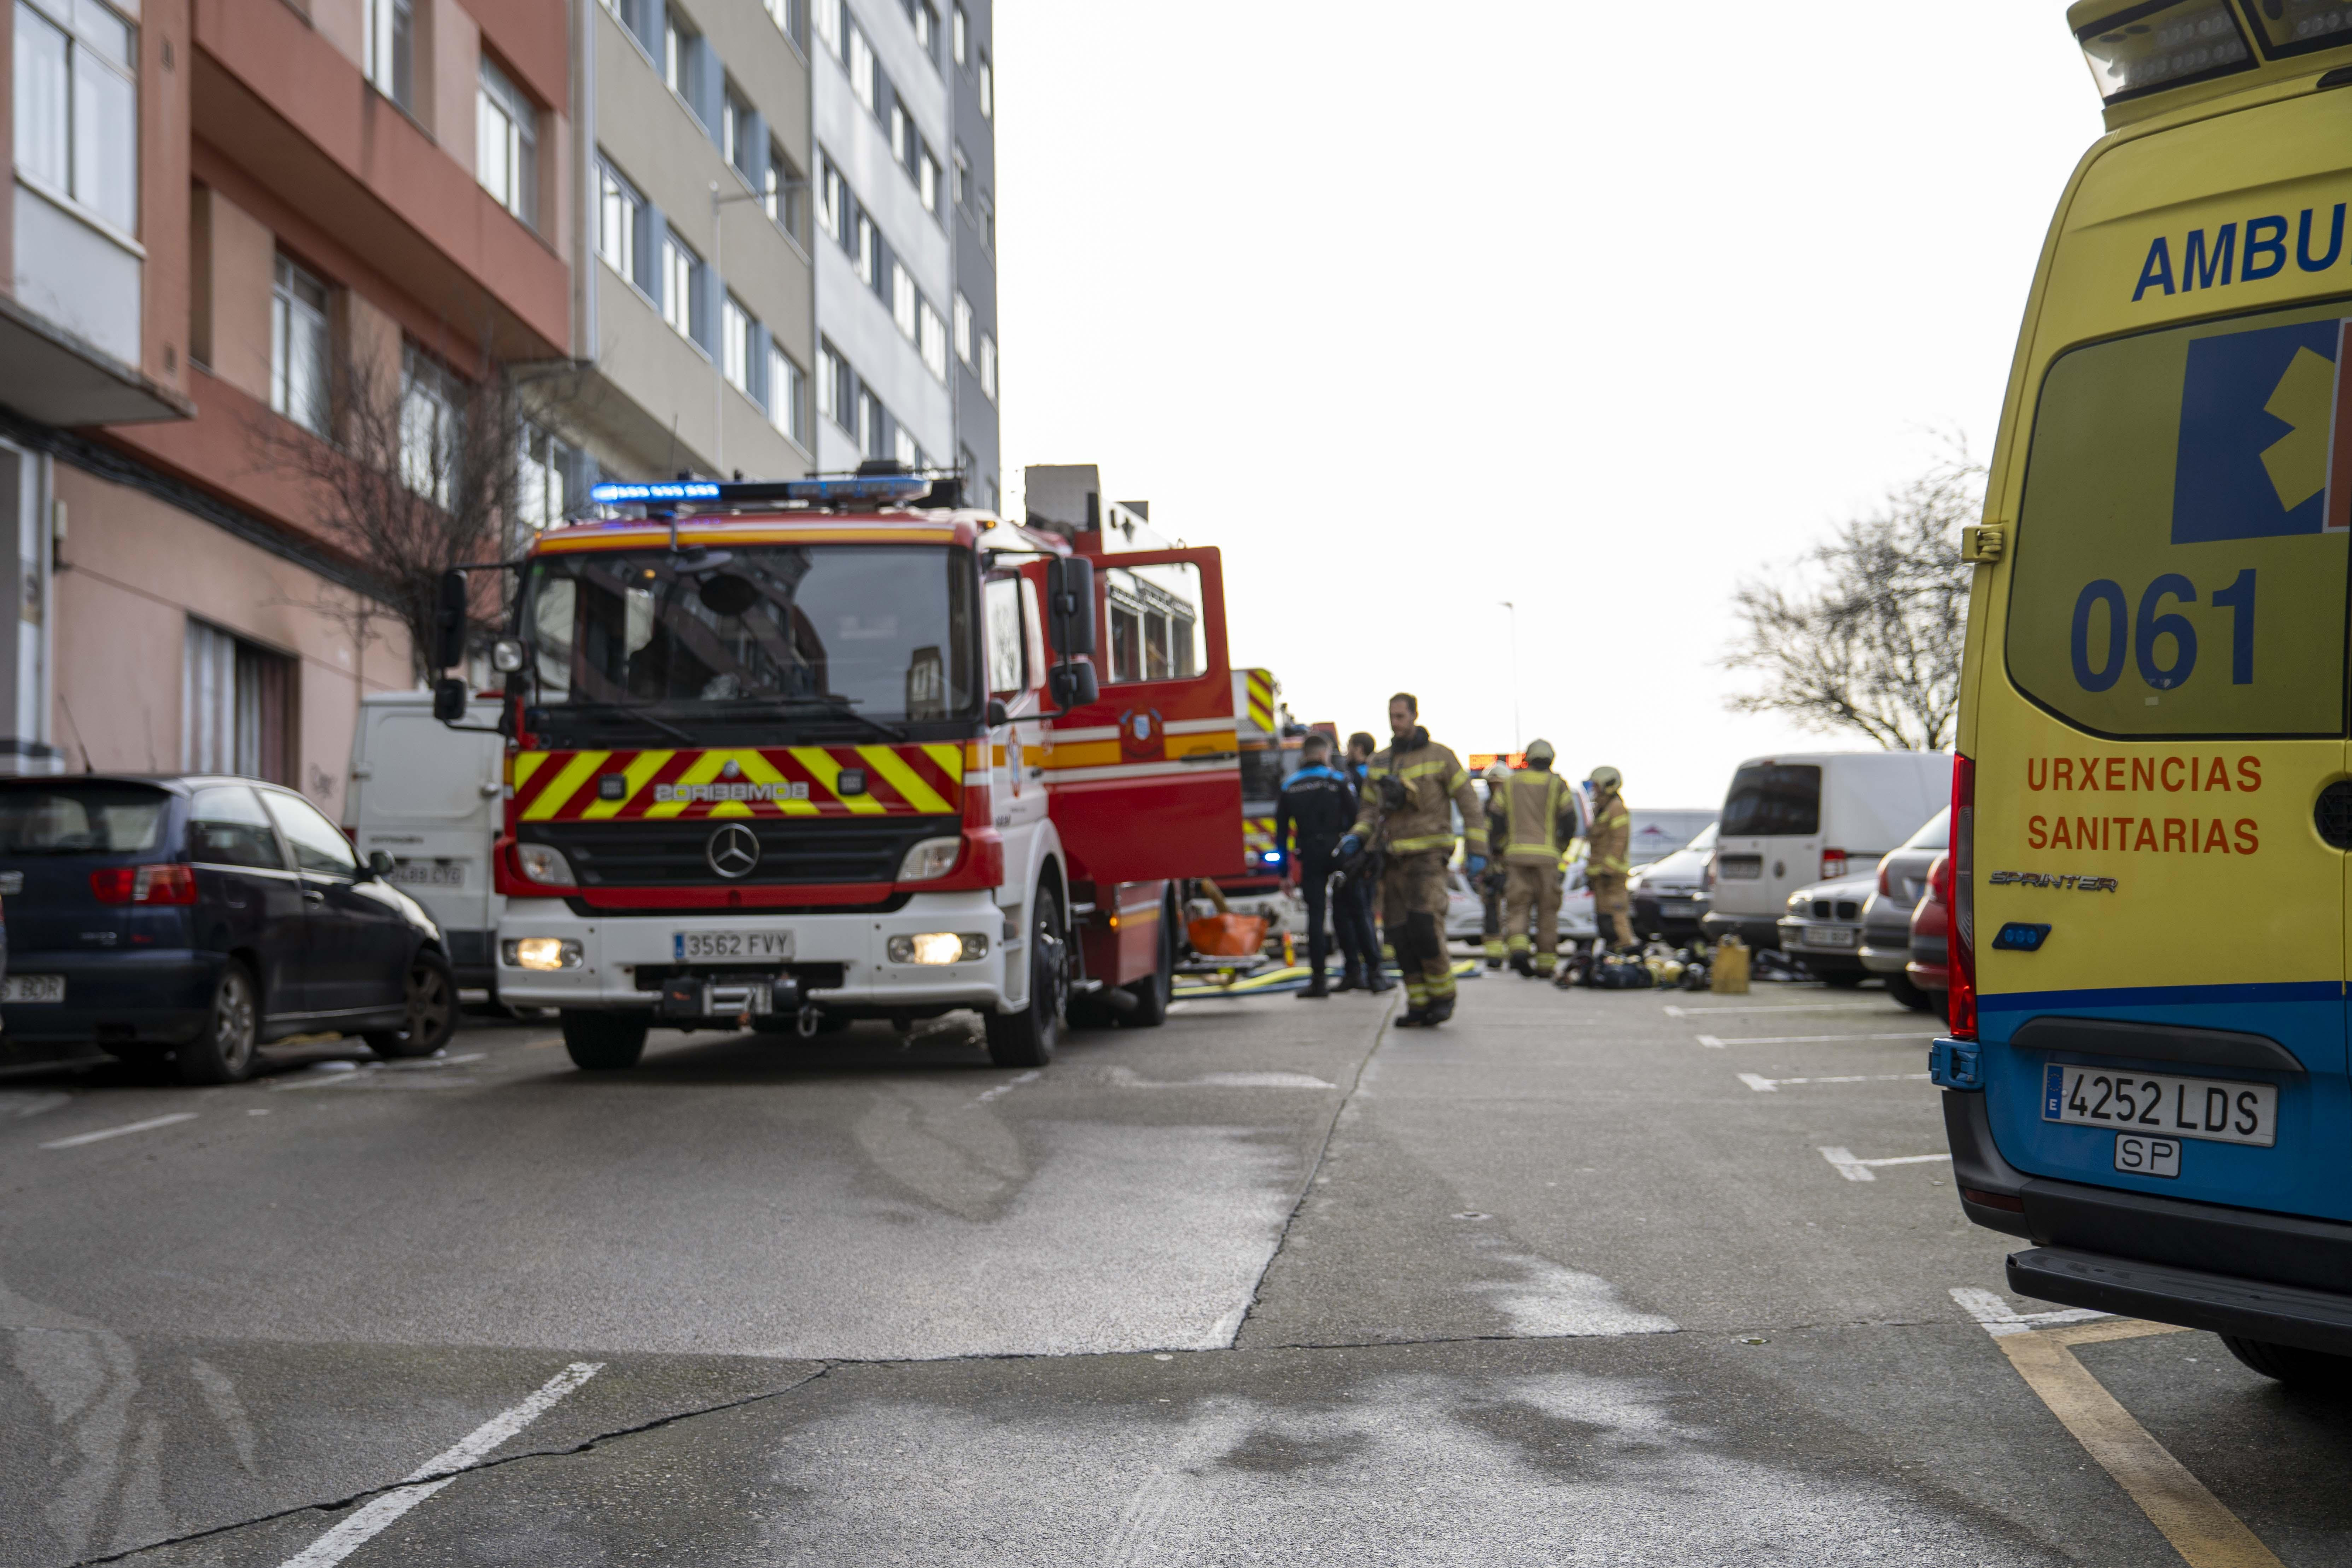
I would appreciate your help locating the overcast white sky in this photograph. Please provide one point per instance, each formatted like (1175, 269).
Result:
(1596, 308)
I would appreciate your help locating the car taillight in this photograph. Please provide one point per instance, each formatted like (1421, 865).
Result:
(1963, 960)
(1883, 886)
(172, 884)
(1833, 864)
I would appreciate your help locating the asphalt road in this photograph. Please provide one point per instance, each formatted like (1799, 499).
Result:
(1562, 1283)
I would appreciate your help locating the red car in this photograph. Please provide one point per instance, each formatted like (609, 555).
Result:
(1931, 930)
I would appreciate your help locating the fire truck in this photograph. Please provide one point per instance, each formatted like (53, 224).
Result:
(783, 755)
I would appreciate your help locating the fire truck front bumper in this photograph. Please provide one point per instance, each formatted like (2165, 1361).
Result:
(938, 951)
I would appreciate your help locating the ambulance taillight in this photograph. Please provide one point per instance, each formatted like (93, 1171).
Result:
(1963, 959)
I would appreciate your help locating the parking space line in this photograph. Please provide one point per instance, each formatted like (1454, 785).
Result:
(1854, 1170)
(382, 1512)
(1717, 1042)
(2205, 1533)
(77, 1140)
(1881, 1007)
(1763, 1085)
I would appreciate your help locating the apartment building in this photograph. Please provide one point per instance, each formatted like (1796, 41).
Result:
(220, 210)
(903, 99)
(694, 323)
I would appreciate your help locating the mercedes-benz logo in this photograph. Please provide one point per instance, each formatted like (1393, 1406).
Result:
(733, 851)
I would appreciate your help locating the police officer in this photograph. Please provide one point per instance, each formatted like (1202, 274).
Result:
(1540, 818)
(1351, 904)
(1490, 887)
(1317, 807)
(1407, 790)
(1609, 843)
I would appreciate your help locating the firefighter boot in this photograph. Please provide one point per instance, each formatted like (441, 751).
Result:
(1439, 1009)
(1522, 965)
(1317, 989)
(1351, 978)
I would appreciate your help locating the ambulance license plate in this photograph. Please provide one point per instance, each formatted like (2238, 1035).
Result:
(2160, 1104)
(694, 946)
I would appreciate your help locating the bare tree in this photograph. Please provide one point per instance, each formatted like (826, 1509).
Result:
(1864, 632)
(414, 471)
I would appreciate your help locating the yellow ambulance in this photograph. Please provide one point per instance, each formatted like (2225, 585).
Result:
(2146, 1073)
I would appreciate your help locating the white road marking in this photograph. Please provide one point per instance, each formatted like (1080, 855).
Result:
(1717, 1042)
(1854, 1170)
(378, 1515)
(1673, 1012)
(1009, 1085)
(152, 1123)
(1128, 1077)
(343, 1075)
(1763, 1085)
(2000, 1318)
(16, 1106)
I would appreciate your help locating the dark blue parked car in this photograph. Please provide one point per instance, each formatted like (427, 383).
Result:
(203, 916)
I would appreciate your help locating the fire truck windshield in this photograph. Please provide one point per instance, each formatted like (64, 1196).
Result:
(753, 633)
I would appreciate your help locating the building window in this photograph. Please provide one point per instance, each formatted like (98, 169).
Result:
(873, 427)
(545, 472)
(962, 328)
(987, 210)
(829, 198)
(618, 208)
(824, 20)
(781, 192)
(678, 266)
(428, 427)
(298, 347)
(390, 49)
(959, 37)
(868, 252)
(785, 396)
(926, 28)
(506, 144)
(76, 120)
(904, 448)
(903, 299)
(987, 88)
(961, 193)
(988, 366)
(788, 18)
(236, 707)
(932, 339)
(900, 131)
(863, 73)
(832, 387)
(735, 344)
(678, 56)
(927, 182)
(735, 118)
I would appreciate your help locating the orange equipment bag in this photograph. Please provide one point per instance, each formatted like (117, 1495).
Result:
(1228, 936)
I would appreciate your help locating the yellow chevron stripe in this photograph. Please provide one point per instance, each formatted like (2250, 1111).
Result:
(639, 774)
(519, 770)
(565, 784)
(702, 769)
(904, 779)
(947, 757)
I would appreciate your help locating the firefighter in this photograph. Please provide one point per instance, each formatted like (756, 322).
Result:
(1539, 819)
(1609, 843)
(1407, 790)
(1316, 805)
(1490, 888)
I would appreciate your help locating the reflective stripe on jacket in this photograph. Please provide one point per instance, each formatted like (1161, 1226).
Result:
(1610, 842)
(1434, 777)
(1539, 817)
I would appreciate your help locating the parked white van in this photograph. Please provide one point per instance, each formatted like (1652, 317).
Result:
(1792, 820)
(431, 797)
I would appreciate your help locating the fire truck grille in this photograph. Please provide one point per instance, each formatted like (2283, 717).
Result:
(676, 854)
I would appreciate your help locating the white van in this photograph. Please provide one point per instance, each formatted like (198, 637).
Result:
(432, 798)
(1795, 819)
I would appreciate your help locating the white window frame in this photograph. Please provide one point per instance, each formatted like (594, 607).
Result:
(506, 144)
(543, 463)
(905, 300)
(863, 69)
(735, 324)
(618, 209)
(824, 22)
(932, 337)
(679, 266)
(429, 431)
(828, 385)
(987, 88)
(96, 52)
(960, 189)
(988, 366)
(963, 327)
(831, 197)
(927, 182)
(869, 253)
(959, 36)
(786, 400)
(388, 50)
(904, 448)
(299, 316)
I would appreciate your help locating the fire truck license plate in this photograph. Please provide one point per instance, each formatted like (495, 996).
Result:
(693, 945)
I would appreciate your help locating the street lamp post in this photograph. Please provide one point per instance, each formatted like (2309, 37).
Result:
(1516, 736)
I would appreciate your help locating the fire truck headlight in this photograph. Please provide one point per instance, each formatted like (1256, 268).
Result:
(542, 953)
(937, 947)
(932, 857)
(544, 864)
(505, 655)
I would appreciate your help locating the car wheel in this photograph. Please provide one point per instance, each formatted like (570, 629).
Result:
(223, 1052)
(1151, 993)
(431, 996)
(2292, 1363)
(604, 1042)
(1903, 989)
(1026, 1039)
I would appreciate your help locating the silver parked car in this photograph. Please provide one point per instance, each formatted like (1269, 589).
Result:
(1822, 927)
(1670, 895)
(1886, 918)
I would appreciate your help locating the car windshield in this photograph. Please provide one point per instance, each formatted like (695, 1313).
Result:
(80, 818)
(885, 632)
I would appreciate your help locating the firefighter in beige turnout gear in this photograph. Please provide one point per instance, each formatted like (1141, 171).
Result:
(1407, 790)
(1609, 844)
(1539, 821)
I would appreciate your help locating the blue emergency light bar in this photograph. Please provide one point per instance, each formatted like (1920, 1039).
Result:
(830, 491)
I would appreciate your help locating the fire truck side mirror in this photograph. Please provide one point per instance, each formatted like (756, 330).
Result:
(449, 701)
(1070, 605)
(1073, 685)
(449, 621)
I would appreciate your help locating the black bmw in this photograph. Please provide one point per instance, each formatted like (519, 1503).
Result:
(201, 917)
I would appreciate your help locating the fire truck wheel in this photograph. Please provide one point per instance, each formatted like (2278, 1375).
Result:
(604, 1042)
(1026, 1039)
(1152, 991)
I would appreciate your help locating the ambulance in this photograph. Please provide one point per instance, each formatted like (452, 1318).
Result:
(782, 755)
(2146, 1077)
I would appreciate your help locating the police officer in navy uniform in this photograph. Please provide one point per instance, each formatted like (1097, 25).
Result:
(1351, 904)
(1318, 804)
